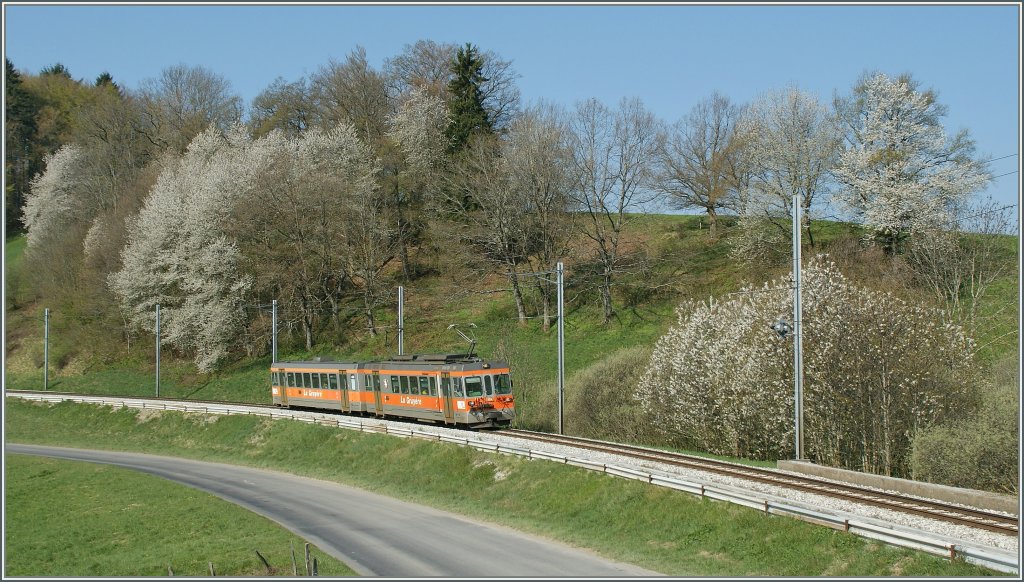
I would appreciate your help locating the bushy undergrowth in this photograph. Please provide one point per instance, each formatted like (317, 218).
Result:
(597, 406)
(876, 370)
(980, 452)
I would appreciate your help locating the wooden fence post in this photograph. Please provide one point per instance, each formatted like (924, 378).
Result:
(295, 569)
(308, 565)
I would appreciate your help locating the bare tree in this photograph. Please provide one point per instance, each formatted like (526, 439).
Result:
(960, 261)
(495, 224)
(537, 161)
(182, 102)
(370, 242)
(424, 64)
(352, 92)
(699, 159)
(611, 158)
(284, 106)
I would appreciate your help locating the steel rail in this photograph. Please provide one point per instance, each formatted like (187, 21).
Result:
(977, 518)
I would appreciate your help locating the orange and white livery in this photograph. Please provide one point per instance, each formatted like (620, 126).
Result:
(453, 389)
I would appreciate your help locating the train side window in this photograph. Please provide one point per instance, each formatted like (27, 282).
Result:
(474, 386)
(306, 381)
(353, 383)
(424, 386)
(323, 381)
(393, 383)
(457, 386)
(433, 386)
(291, 379)
(333, 381)
(487, 384)
(316, 381)
(405, 384)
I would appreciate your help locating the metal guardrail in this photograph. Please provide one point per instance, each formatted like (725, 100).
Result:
(993, 558)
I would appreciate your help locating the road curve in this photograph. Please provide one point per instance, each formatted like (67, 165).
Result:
(374, 534)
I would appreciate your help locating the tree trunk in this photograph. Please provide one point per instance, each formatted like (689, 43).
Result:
(371, 324)
(606, 297)
(807, 225)
(712, 223)
(518, 294)
(545, 295)
(307, 323)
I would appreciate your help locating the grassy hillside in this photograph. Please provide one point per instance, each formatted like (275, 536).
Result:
(101, 356)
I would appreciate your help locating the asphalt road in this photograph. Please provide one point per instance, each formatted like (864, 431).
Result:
(374, 534)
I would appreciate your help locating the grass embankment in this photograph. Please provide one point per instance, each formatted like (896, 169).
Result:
(660, 529)
(70, 518)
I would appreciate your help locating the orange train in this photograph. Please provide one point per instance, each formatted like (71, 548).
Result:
(452, 389)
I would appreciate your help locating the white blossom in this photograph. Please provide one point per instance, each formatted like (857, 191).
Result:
(54, 200)
(876, 369)
(901, 172)
(418, 127)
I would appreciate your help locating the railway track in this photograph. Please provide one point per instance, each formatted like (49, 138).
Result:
(977, 518)
(989, 521)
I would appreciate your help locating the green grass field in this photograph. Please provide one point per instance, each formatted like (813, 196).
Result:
(659, 529)
(69, 518)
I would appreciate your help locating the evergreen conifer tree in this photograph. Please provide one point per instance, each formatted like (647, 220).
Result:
(21, 159)
(466, 98)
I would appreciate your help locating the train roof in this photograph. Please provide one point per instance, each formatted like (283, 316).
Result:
(430, 359)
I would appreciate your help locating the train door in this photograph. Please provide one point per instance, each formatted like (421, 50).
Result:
(446, 398)
(376, 393)
(343, 387)
(283, 385)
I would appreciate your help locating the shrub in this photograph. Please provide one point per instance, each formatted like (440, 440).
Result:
(876, 370)
(599, 400)
(978, 453)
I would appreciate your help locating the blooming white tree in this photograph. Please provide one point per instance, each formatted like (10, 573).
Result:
(876, 370)
(177, 255)
(900, 171)
(54, 200)
(791, 142)
(419, 128)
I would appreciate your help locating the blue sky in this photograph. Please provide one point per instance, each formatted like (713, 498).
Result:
(671, 56)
